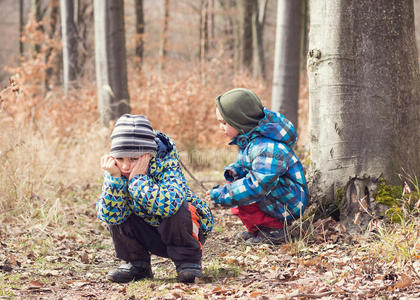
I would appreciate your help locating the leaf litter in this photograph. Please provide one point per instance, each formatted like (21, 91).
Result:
(325, 263)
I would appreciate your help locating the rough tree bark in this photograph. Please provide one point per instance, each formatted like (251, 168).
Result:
(364, 99)
(110, 57)
(70, 41)
(285, 92)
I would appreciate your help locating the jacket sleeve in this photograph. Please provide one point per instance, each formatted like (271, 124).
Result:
(160, 198)
(112, 206)
(268, 163)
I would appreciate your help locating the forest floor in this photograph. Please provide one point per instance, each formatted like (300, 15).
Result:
(68, 257)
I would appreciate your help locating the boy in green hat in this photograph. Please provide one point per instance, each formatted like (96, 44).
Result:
(266, 185)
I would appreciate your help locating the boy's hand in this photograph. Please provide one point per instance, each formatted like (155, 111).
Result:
(141, 166)
(108, 164)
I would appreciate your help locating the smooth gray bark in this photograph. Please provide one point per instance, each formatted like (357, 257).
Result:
(285, 92)
(364, 93)
(258, 22)
(110, 58)
(70, 40)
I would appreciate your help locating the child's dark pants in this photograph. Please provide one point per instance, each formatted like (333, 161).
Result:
(175, 238)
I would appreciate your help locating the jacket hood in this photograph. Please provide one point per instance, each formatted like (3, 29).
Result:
(273, 126)
(164, 144)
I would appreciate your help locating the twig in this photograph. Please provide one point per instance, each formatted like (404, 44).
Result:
(193, 177)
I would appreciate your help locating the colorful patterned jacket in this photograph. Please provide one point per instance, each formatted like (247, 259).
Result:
(154, 196)
(267, 171)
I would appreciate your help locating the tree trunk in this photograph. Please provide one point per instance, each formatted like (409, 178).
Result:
(247, 8)
(36, 11)
(53, 22)
(285, 93)
(364, 95)
(204, 34)
(228, 27)
(139, 33)
(211, 23)
(258, 22)
(70, 41)
(110, 57)
(237, 29)
(164, 37)
(84, 17)
(21, 10)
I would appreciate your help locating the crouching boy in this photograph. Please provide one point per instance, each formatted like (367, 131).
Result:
(147, 204)
(266, 185)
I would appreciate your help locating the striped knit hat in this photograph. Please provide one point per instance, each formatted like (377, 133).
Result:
(132, 136)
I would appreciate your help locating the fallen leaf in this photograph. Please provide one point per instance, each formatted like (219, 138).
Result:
(255, 294)
(404, 282)
(35, 284)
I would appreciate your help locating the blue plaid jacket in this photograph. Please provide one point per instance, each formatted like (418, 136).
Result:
(154, 196)
(267, 171)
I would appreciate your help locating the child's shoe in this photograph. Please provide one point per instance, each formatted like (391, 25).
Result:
(268, 236)
(188, 272)
(245, 235)
(131, 271)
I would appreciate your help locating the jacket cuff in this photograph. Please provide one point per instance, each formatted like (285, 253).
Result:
(114, 180)
(215, 194)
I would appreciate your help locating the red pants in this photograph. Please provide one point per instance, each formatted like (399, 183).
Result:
(254, 219)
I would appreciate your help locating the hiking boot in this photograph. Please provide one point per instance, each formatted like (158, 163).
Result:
(245, 235)
(128, 272)
(271, 237)
(188, 272)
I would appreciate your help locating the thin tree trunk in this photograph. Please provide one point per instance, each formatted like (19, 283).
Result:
(164, 37)
(364, 92)
(70, 40)
(110, 57)
(36, 11)
(247, 53)
(84, 17)
(21, 9)
(228, 27)
(238, 37)
(53, 20)
(211, 23)
(139, 32)
(204, 36)
(285, 91)
(258, 42)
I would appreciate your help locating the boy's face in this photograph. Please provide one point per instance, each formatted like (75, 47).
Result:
(229, 131)
(126, 164)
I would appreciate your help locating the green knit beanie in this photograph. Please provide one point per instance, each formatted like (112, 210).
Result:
(241, 109)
